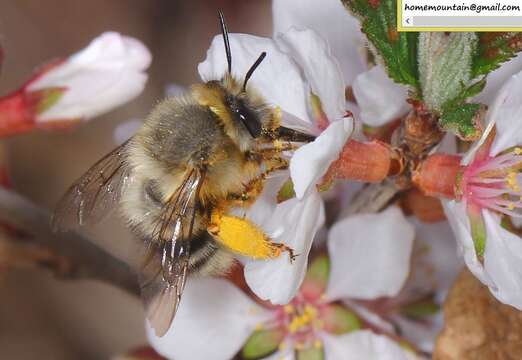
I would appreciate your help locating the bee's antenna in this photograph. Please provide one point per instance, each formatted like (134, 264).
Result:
(224, 32)
(253, 68)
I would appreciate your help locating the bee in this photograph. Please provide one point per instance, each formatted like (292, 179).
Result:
(195, 158)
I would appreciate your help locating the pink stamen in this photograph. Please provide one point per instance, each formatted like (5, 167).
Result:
(494, 183)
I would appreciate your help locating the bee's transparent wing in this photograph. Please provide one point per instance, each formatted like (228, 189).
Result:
(93, 195)
(164, 271)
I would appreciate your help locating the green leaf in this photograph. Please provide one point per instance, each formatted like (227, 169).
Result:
(444, 66)
(494, 48)
(398, 50)
(463, 120)
(311, 353)
(316, 280)
(478, 230)
(46, 98)
(472, 90)
(339, 320)
(286, 192)
(262, 343)
(420, 309)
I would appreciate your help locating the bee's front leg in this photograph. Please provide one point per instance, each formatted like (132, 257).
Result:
(245, 238)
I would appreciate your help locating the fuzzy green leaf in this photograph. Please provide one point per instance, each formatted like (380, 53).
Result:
(397, 49)
(494, 48)
(444, 66)
(463, 120)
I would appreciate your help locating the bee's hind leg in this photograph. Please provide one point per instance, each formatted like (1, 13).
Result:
(245, 238)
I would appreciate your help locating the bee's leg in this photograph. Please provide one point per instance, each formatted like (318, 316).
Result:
(245, 238)
(254, 187)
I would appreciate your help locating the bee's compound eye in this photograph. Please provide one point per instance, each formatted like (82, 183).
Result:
(242, 114)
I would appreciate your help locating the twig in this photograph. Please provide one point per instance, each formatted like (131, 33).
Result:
(371, 199)
(87, 260)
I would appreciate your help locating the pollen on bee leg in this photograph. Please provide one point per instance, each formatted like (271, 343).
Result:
(244, 238)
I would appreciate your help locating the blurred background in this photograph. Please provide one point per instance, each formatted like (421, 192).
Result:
(42, 317)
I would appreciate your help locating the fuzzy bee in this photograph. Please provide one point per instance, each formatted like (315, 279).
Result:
(175, 181)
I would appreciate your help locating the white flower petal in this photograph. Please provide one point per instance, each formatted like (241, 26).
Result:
(506, 113)
(369, 255)
(333, 22)
(278, 79)
(311, 161)
(379, 98)
(106, 74)
(365, 345)
(498, 78)
(213, 322)
(459, 222)
(294, 223)
(503, 261)
(321, 69)
(439, 254)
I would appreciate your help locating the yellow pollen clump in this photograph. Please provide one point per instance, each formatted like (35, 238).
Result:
(243, 237)
(511, 180)
(517, 151)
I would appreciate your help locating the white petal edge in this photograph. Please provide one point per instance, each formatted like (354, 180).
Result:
(278, 79)
(311, 161)
(106, 74)
(506, 113)
(213, 322)
(333, 22)
(503, 261)
(365, 345)
(369, 255)
(380, 99)
(321, 69)
(459, 222)
(294, 223)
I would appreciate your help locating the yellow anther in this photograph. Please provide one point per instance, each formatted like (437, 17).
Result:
(310, 311)
(259, 326)
(318, 344)
(511, 206)
(517, 151)
(511, 180)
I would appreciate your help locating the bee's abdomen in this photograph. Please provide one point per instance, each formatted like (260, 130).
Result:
(207, 257)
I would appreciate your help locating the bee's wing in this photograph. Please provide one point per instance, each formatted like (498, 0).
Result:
(93, 195)
(165, 270)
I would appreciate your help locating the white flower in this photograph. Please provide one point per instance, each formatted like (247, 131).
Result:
(107, 73)
(301, 77)
(489, 187)
(215, 313)
(379, 99)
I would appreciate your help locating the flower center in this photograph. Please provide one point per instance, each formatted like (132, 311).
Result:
(301, 323)
(494, 183)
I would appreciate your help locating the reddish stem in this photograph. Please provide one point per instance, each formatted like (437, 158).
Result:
(16, 113)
